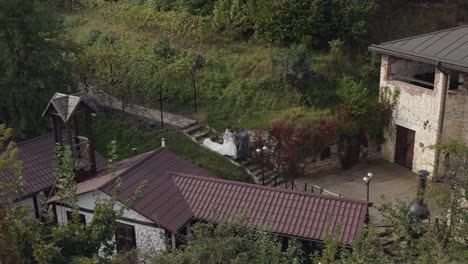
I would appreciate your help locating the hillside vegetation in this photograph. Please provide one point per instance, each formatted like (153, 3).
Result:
(248, 61)
(244, 74)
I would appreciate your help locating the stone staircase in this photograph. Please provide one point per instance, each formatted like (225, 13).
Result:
(199, 132)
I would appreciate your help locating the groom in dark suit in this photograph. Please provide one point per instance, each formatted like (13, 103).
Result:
(243, 139)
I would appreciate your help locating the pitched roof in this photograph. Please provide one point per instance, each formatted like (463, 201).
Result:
(178, 191)
(161, 200)
(281, 211)
(449, 47)
(38, 157)
(66, 104)
(105, 176)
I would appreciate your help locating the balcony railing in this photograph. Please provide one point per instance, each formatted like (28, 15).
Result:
(81, 153)
(413, 81)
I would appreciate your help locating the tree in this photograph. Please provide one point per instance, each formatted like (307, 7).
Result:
(295, 67)
(231, 242)
(231, 17)
(197, 63)
(282, 21)
(33, 62)
(360, 116)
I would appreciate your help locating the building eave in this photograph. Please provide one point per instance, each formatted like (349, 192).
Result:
(417, 57)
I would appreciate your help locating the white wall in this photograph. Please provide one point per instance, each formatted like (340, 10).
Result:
(148, 238)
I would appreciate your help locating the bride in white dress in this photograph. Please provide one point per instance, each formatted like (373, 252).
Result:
(228, 148)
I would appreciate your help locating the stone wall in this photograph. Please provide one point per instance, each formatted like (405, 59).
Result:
(418, 110)
(315, 163)
(454, 121)
(148, 239)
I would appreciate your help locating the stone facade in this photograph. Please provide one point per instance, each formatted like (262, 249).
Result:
(148, 238)
(418, 109)
(315, 163)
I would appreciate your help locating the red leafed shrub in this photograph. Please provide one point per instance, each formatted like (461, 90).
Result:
(288, 144)
(323, 133)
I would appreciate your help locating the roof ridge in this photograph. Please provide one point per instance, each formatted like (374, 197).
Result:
(425, 34)
(150, 153)
(33, 139)
(266, 187)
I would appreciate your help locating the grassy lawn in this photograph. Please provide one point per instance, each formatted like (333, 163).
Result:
(133, 140)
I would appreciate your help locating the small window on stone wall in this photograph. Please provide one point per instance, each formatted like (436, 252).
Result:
(413, 72)
(325, 154)
(456, 80)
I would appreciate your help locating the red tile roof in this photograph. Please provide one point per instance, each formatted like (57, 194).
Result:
(178, 191)
(37, 155)
(281, 211)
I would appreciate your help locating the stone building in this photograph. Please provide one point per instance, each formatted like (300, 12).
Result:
(429, 71)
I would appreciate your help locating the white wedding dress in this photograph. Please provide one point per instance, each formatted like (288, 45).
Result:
(228, 148)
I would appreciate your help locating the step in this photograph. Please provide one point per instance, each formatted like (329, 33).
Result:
(252, 167)
(269, 176)
(190, 124)
(244, 163)
(193, 129)
(271, 180)
(201, 134)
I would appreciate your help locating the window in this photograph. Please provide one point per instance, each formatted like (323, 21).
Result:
(125, 237)
(413, 72)
(456, 80)
(82, 218)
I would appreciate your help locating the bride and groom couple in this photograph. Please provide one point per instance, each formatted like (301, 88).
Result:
(229, 148)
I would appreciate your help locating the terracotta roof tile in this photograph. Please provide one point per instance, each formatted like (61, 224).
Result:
(174, 196)
(37, 155)
(285, 212)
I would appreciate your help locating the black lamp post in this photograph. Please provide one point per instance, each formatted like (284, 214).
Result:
(418, 210)
(262, 152)
(367, 179)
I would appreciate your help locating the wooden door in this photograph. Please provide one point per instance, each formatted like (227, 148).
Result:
(404, 148)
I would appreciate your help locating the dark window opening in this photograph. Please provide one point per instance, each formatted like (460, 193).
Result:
(82, 218)
(455, 81)
(425, 80)
(413, 72)
(325, 154)
(125, 237)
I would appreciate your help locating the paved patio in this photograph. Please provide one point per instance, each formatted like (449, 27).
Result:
(390, 180)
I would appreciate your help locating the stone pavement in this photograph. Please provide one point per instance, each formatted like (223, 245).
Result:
(106, 100)
(390, 180)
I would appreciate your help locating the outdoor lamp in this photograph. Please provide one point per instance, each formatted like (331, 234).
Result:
(262, 152)
(367, 179)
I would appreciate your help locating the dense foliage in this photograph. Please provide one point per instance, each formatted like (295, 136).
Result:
(34, 63)
(231, 242)
(27, 240)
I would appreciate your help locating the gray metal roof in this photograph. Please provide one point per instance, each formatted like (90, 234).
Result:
(449, 47)
(65, 105)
